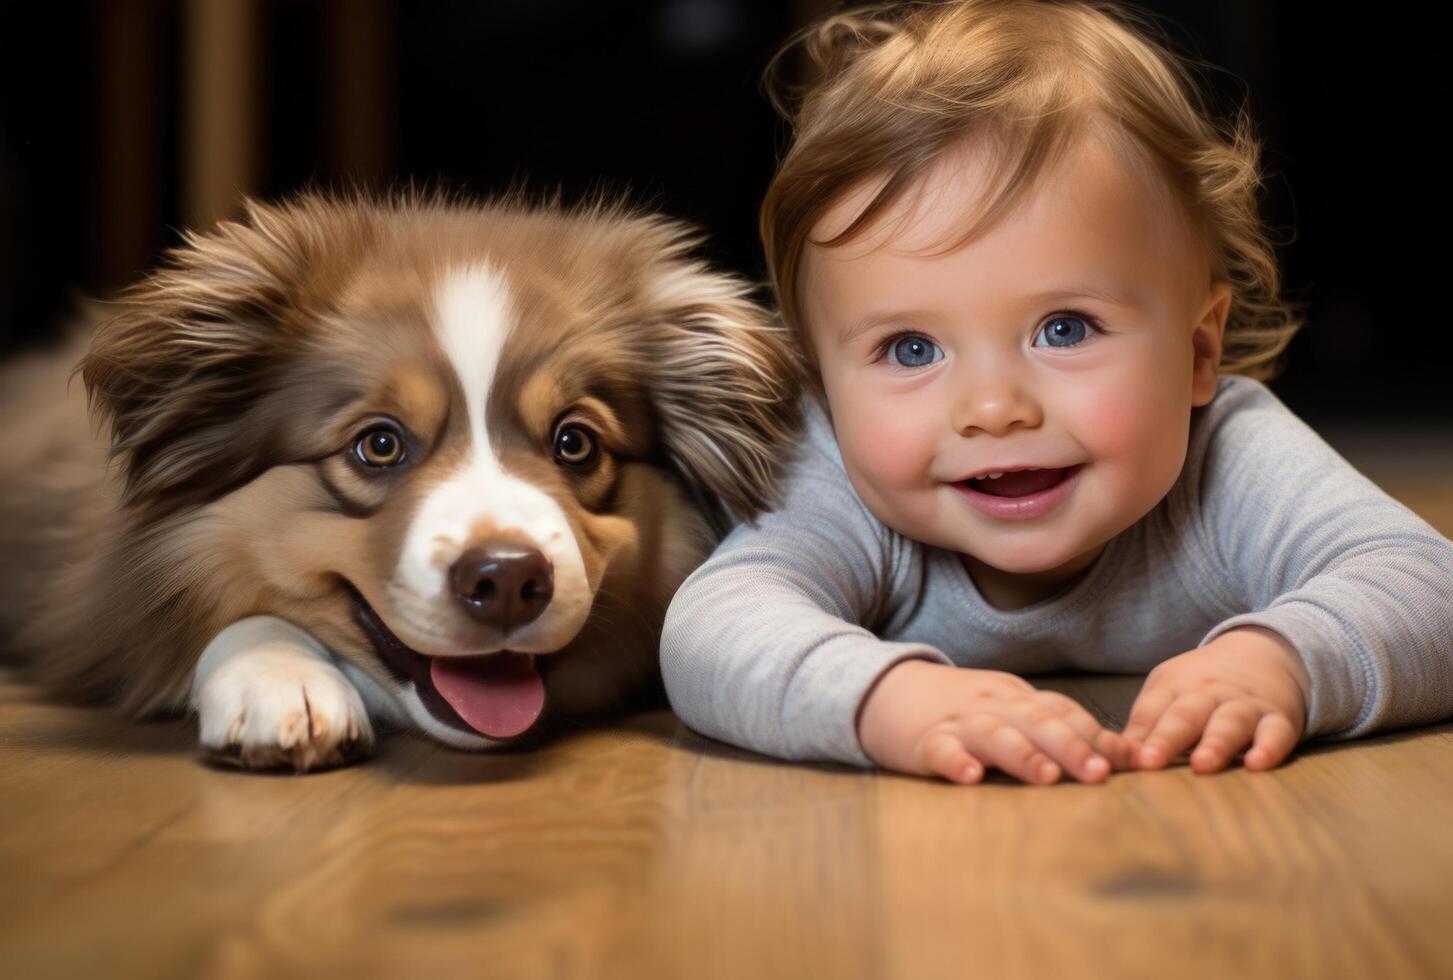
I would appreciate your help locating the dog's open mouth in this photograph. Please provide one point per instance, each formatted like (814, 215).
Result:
(498, 695)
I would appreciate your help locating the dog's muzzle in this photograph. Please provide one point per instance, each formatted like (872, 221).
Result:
(498, 695)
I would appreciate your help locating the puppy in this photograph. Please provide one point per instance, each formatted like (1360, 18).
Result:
(374, 464)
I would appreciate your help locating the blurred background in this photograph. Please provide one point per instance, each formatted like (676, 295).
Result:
(122, 121)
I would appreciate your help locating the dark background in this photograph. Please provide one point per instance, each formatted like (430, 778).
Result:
(662, 99)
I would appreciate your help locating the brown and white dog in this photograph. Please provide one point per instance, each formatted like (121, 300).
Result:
(403, 463)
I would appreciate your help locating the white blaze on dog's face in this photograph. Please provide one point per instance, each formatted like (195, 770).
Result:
(481, 501)
(465, 447)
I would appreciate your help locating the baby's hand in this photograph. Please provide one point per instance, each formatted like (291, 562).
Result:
(1246, 687)
(931, 719)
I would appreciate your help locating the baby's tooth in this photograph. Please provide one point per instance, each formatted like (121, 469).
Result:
(994, 476)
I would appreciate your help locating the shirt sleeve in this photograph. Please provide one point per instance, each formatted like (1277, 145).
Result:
(764, 646)
(1357, 583)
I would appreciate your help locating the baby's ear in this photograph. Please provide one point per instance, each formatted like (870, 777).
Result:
(195, 346)
(726, 388)
(1206, 343)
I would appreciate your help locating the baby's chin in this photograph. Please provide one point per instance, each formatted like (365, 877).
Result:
(1015, 565)
(1048, 560)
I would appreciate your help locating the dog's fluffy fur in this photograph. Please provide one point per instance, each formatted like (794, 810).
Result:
(225, 473)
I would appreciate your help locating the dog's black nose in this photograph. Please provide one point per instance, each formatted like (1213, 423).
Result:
(503, 583)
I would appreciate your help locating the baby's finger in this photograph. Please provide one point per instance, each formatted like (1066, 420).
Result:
(1115, 747)
(1275, 738)
(1063, 743)
(1178, 727)
(1146, 711)
(1227, 732)
(942, 754)
(1112, 745)
(999, 743)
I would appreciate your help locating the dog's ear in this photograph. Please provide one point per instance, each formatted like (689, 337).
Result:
(726, 386)
(194, 347)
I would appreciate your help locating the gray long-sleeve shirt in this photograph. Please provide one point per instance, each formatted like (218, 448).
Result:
(773, 643)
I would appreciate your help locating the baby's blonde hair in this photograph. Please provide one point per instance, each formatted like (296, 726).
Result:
(893, 87)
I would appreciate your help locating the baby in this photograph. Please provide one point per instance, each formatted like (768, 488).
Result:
(1029, 278)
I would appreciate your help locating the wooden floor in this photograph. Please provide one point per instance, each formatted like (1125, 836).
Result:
(645, 850)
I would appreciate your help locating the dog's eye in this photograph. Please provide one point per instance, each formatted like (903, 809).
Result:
(574, 444)
(379, 447)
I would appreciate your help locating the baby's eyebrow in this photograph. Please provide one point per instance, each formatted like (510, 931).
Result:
(874, 320)
(1127, 301)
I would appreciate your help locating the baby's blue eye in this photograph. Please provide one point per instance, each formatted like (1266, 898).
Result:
(1063, 331)
(912, 350)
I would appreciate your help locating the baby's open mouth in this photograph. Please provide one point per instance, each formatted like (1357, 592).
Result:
(1021, 483)
(498, 695)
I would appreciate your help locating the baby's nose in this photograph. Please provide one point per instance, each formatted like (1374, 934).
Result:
(995, 406)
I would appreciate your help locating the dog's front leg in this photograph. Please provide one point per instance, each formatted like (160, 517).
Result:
(268, 696)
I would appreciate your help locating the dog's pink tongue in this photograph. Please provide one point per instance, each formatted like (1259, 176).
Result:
(499, 696)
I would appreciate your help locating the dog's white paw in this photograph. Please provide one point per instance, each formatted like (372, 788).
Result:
(274, 709)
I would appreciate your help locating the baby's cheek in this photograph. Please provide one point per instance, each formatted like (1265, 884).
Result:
(1119, 420)
(885, 447)
(1139, 431)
